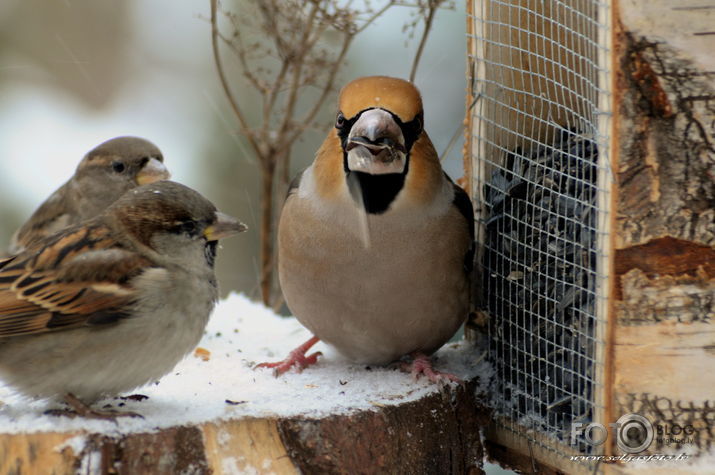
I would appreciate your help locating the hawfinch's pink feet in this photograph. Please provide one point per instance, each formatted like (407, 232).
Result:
(295, 358)
(422, 365)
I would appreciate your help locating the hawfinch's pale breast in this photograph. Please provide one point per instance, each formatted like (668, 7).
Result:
(375, 240)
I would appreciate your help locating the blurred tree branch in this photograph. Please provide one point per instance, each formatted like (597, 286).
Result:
(281, 68)
(431, 10)
(426, 10)
(280, 46)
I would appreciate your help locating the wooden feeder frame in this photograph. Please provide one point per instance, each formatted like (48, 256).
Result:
(654, 125)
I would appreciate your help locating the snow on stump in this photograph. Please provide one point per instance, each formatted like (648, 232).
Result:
(214, 414)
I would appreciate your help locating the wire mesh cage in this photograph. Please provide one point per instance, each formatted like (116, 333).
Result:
(539, 144)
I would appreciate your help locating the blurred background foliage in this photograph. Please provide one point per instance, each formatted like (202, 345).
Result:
(75, 73)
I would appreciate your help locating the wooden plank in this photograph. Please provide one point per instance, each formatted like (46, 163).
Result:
(508, 445)
(246, 446)
(664, 354)
(669, 359)
(664, 256)
(686, 25)
(24, 453)
(608, 161)
(666, 126)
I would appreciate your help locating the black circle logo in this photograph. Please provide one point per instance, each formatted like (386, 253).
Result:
(634, 434)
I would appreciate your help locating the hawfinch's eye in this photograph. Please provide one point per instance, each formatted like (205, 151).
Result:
(118, 167)
(340, 121)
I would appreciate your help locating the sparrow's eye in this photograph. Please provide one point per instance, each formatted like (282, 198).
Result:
(118, 167)
(340, 121)
(189, 227)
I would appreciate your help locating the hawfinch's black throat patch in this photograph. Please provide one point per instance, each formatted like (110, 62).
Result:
(377, 192)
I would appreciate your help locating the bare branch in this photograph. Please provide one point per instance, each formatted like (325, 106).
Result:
(458, 132)
(297, 71)
(433, 5)
(289, 67)
(374, 17)
(224, 83)
(273, 94)
(241, 55)
(308, 118)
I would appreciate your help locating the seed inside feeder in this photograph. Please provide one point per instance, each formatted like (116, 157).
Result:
(539, 277)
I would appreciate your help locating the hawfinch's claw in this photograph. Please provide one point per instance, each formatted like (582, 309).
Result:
(422, 365)
(300, 362)
(295, 358)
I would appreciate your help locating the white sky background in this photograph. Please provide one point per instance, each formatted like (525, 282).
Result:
(45, 131)
(169, 93)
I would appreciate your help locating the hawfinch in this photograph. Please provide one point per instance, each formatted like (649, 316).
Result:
(374, 240)
(105, 173)
(114, 302)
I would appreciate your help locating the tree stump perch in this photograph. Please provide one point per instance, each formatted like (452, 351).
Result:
(438, 433)
(215, 414)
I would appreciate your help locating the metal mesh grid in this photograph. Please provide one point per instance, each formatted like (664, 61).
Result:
(539, 146)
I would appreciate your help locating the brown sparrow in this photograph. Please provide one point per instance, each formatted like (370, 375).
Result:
(114, 302)
(105, 173)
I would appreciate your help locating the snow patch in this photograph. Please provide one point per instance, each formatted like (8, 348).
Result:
(76, 444)
(222, 385)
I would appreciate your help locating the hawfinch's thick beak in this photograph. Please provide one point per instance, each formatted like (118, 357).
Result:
(152, 171)
(225, 226)
(375, 144)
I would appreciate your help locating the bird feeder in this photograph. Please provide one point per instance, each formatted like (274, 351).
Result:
(591, 163)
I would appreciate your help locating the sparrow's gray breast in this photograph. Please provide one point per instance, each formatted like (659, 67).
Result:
(167, 322)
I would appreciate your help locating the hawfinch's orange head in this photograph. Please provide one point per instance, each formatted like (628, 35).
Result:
(379, 119)
(399, 97)
(378, 151)
(379, 135)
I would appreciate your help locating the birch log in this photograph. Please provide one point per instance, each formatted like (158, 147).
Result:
(662, 330)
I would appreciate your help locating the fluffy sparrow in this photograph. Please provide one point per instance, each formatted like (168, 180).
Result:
(114, 302)
(105, 173)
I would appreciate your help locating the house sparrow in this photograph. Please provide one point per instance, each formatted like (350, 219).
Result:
(114, 302)
(104, 174)
(375, 241)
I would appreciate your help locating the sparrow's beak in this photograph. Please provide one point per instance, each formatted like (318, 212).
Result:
(224, 226)
(375, 144)
(152, 171)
